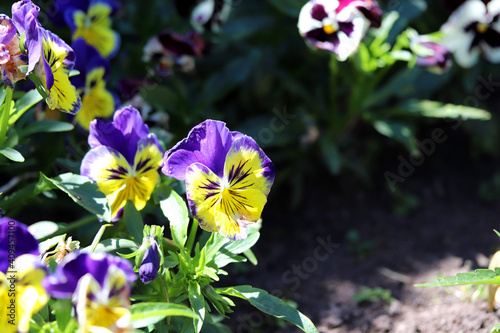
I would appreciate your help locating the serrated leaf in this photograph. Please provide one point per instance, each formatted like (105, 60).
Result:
(149, 313)
(11, 154)
(84, 192)
(435, 109)
(271, 305)
(113, 244)
(479, 276)
(175, 210)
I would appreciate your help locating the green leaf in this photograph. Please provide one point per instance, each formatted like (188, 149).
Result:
(84, 192)
(332, 156)
(46, 126)
(62, 309)
(113, 244)
(133, 221)
(479, 276)
(495, 329)
(215, 243)
(197, 302)
(43, 229)
(434, 109)
(288, 7)
(47, 244)
(175, 210)
(399, 132)
(11, 154)
(229, 253)
(271, 305)
(149, 313)
(24, 104)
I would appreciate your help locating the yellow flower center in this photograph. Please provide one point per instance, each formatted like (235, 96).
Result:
(329, 29)
(481, 28)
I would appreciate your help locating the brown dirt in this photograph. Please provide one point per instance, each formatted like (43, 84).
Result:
(450, 232)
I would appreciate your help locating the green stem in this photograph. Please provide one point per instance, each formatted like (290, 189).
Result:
(4, 125)
(165, 291)
(334, 71)
(192, 235)
(73, 225)
(98, 236)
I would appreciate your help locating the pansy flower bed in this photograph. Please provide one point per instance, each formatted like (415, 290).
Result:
(139, 144)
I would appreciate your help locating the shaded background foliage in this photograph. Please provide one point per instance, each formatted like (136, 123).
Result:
(255, 70)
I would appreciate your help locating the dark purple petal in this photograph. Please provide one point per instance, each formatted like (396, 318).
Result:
(207, 143)
(64, 281)
(15, 240)
(7, 29)
(318, 12)
(150, 263)
(346, 27)
(189, 44)
(123, 134)
(321, 40)
(87, 59)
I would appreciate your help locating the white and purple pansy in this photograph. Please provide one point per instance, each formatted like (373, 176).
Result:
(472, 30)
(227, 175)
(336, 26)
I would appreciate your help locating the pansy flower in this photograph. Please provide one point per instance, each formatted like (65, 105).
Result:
(99, 286)
(431, 54)
(124, 160)
(336, 26)
(21, 267)
(474, 29)
(97, 101)
(11, 57)
(173, 52)
(41, 52)
(93, 24)
(227, 175)
(58, 61)
(25, 18)
(210, 14)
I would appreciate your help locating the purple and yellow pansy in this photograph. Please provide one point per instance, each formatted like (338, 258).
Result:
(227, 175)
(97, 101)
(124, 160)
(21, 271)
(91, 21)
(99, 286)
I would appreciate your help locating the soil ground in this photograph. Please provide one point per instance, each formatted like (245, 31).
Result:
(450, 232)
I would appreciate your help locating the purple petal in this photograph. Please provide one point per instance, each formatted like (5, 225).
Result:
(318, 12)
(7, 29)
(15, 234)
(24, 16)
(87, 59)
(123, 134)
(64, 281)
(150, 263)
(207, 143)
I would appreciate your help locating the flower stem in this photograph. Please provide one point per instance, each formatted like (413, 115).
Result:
(98, 236)
(73, 225)
(192, 235)
(4, 124)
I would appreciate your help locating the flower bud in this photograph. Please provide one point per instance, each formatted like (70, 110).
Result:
(430, 54)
